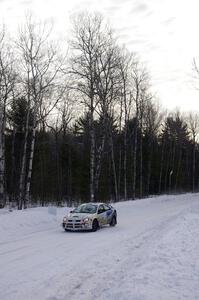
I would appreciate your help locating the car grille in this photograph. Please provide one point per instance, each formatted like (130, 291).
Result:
(73, 224)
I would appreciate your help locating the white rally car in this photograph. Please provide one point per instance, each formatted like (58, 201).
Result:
(90, 216)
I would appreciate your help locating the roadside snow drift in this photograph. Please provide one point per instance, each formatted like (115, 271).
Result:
(152, 254)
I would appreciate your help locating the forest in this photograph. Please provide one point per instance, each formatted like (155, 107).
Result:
(79, 121)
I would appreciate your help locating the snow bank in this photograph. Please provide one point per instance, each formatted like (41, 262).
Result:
(152, 254)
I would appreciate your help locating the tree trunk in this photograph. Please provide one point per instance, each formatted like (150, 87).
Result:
(135, 161)
(149, 167)
(2, 157)
(125, 163)
(114, 168)
(141, 165)
(99, 163)
(120, 154)
(58, 167)
(167, 172)
(178, 168)
(193, 166)
(13, 170)
(30, 163)
(119, 173)
(161, 167)
(23, 164)
(69, 189)
(92, 158)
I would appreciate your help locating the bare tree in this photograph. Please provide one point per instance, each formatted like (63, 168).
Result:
(85, 44)
(7, 81)
(139, 92)
(193, 120)
(108, 85)
(40, 68)
(126, 64)
(59, 126)
(93, 66)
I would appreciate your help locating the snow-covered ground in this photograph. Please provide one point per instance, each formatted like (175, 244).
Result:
(152, 254)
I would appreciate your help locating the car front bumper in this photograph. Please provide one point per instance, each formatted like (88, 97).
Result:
(76, 226)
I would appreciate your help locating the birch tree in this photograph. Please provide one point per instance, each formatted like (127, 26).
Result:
(108, 85)
(40, 68)
(92, 67)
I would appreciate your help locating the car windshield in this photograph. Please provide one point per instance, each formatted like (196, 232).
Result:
(86, 208)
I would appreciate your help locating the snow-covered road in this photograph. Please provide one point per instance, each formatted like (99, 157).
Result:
(152, 254)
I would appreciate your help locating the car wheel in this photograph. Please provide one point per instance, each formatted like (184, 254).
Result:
(113, 221)
(95, 225)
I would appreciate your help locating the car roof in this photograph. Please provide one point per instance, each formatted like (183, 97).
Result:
(94, 203)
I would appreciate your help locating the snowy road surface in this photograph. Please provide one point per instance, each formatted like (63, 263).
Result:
(152, 254)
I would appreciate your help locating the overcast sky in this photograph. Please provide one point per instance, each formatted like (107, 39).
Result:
(164, 33)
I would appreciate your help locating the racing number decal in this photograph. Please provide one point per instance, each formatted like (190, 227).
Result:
(108, 213)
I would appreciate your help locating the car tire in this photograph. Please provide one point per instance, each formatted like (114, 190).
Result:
(95, 225)
(113, 221)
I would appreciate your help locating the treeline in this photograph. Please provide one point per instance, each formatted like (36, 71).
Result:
(82, 124)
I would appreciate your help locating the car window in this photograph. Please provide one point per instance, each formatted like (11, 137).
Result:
(86, 208)
(106, 207)
(101, 209)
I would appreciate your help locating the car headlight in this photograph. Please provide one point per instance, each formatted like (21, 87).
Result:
(64, 219)
(86, 220)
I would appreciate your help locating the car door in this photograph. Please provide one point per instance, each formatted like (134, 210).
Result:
(101, 215)
(108, 212)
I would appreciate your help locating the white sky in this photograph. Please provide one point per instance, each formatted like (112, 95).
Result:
(164, 33)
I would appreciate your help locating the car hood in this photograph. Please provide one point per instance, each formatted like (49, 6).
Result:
(79, 216)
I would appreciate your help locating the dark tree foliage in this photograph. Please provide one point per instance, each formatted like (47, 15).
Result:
(14, 143)
(175, 137)
(61, 163)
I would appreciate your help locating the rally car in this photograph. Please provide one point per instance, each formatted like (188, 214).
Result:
(90, 216)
